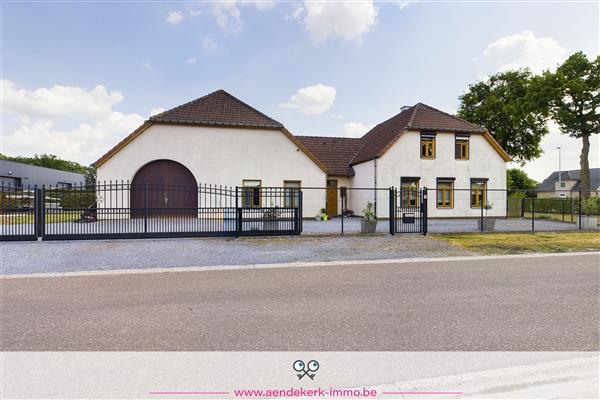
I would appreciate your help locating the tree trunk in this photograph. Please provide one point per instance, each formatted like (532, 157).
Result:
(584, 175)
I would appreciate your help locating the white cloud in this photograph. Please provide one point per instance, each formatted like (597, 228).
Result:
(147, 66)
(228, 14)
(523, 50)
(190, 60)
(312, 99)
(71, 122)
(174, 17)
(345, 20)
(194, 13)
(209, 44)
(404, 3)
(156, 110)
(261, 4)
(356, 129)
(59, 101)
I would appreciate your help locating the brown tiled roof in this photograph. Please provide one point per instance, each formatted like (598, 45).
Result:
(334, 152)
(418, 117)
(217, 108)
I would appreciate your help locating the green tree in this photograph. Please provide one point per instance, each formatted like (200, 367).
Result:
(511, 108)
(517, 180)
(575, 104)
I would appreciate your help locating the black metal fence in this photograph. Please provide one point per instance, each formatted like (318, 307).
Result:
(409, 211)
(122, 210)
(19, 213)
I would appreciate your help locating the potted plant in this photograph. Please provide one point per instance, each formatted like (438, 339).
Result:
(270, 219)
(324, 215)
(368, 223)
(590, 208)
(488, 223)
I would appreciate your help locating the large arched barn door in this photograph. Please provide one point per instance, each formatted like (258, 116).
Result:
(164, 187)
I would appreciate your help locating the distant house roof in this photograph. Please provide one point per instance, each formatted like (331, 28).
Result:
(334, 152)
(418, 117)
(572, 175)
(217, 108)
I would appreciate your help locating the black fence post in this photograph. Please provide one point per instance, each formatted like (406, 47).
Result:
(237, 213)
(424, 211)
(342, 194)
(300, 212)
(36, 212)
(533, 214)
(579, 211)
(392, 212)
(42, 212)
(145, 206)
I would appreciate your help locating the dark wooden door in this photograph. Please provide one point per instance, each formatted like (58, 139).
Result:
(332, 197)
(164, 187)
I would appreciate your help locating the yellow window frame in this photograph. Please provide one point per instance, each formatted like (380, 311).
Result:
(428, 148)
(463, 149)
(478, 195)
(445, 193)
(409, 193)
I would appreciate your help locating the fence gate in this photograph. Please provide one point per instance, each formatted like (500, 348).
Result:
(146, 210)
(409, 208)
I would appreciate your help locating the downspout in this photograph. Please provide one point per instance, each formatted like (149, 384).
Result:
(375, 184)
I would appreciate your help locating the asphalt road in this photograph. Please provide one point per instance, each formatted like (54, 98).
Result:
(524, 304)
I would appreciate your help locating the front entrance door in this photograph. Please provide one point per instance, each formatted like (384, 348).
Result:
(332, 197)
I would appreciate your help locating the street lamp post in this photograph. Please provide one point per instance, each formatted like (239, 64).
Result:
(559, 169)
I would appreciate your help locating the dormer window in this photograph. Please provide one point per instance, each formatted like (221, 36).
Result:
(461, 147)
(428, 145)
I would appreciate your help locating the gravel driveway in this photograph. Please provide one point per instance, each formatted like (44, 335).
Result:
(85, 255)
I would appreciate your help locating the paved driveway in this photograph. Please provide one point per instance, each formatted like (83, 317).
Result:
(512, 304)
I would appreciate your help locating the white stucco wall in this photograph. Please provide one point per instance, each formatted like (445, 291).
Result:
(403, 159)
(221, 156)
(364, 177)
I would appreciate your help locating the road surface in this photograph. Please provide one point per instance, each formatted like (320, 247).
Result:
(511, 304)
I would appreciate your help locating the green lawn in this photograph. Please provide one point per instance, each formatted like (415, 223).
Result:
(514, 243)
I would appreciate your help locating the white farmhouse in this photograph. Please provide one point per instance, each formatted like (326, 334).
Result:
(218, 139)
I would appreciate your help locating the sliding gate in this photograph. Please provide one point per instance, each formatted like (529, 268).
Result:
(124, 210)
(409, 211)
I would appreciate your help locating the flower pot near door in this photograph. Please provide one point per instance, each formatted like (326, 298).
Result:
(368, 226)
(488, 224)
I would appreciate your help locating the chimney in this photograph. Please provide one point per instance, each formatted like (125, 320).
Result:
(404, 108)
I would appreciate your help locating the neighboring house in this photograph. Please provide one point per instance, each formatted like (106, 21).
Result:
(16, 174)
(221, 140)
(568, 184)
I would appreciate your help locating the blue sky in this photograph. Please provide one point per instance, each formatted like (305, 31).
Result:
(78, 77)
